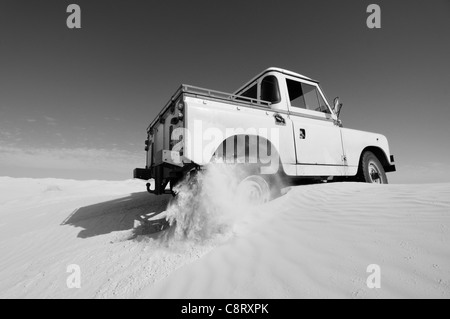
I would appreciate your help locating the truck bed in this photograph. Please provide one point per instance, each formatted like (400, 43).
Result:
(209, 94)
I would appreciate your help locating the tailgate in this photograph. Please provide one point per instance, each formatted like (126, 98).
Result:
(159, 136)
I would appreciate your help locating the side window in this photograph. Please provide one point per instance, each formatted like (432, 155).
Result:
(251, 92)
(310, 93)
(323, 105)
(305, 96)
(296, 94)
(269, 89)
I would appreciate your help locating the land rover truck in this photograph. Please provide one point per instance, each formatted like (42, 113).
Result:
(278, 125)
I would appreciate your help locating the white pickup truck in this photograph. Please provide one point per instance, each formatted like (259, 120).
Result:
(280, 123)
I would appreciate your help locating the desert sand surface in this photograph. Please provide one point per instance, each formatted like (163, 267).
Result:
(316, 241)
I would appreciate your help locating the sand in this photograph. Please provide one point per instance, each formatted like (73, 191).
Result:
(314, 242)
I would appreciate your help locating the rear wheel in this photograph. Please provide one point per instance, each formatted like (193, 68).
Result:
(253, 190)
(371, 170)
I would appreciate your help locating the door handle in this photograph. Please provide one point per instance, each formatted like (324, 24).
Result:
(302, 134)
(279, 119)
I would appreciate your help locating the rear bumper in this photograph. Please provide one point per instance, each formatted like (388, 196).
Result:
(164, 158)
(142, 173)
(168, 167)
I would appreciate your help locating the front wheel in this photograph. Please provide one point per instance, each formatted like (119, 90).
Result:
(371, 170)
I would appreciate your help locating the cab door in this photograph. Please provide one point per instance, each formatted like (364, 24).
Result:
(318, 139)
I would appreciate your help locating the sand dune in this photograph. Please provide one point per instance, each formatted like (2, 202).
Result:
(315, 241)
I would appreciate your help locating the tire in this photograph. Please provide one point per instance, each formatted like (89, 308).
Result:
(371, 170)
(253, 190)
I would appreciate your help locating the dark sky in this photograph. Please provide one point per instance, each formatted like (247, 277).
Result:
(76, 103)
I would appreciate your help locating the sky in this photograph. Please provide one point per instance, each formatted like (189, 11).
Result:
(75, 103)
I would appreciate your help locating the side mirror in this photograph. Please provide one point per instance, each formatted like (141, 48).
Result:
(337, 107)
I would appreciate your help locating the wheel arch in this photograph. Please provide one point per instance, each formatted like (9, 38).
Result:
(264, 146)
(379, 153)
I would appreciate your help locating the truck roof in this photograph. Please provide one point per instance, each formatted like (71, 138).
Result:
(275, 69)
